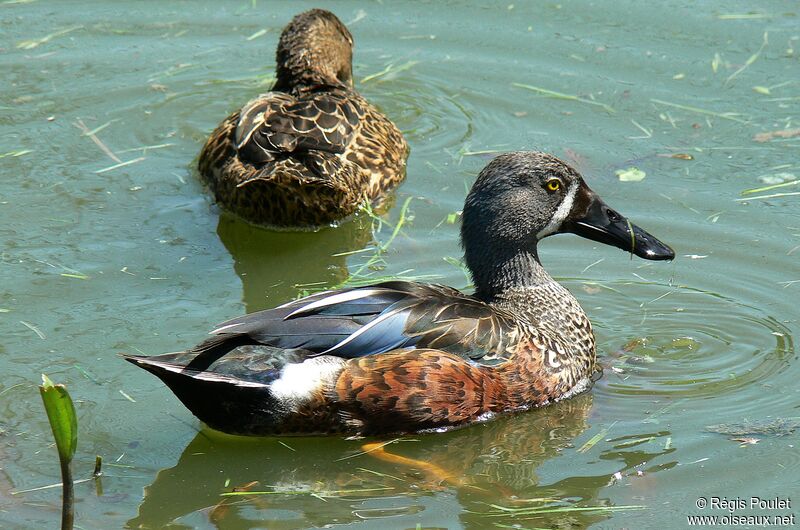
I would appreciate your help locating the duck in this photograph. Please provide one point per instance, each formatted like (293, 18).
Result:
(404, 356)
(311, 151)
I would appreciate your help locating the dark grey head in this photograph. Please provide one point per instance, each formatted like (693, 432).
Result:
(314, 48)
(523, 197)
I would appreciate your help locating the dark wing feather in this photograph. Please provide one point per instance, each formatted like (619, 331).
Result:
(366, 321)
(461, 325)
(276, 124)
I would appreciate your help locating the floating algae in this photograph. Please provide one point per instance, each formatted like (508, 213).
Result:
(776, 427)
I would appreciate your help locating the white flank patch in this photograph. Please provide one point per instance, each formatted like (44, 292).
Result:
(299, 381)
(561, 213)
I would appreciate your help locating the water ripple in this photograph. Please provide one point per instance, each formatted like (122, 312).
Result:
(705, 345)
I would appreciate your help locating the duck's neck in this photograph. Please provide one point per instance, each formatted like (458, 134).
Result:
(500, 271)
(301, 64)
(291, 81)
(545, 313)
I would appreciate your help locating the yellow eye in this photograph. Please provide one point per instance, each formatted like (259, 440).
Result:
(553, 184)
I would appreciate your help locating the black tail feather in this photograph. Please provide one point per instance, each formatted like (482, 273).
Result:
(212, 349)
(222, 402)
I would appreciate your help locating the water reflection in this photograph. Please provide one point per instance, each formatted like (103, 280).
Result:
(324, 481)
(275, 266)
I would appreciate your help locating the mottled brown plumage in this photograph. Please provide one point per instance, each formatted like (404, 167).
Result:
(404, 356)
(311, 150)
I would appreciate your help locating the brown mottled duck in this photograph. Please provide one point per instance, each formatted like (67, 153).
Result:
(311, 150)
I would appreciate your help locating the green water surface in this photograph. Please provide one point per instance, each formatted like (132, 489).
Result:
(114, 246)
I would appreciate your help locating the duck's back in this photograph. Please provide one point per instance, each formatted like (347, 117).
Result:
(303, 158)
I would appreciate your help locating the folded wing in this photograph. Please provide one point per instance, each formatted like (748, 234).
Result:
(277, 124)
(368, 321)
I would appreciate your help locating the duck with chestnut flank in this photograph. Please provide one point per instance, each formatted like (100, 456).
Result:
(312, 150)
(402, 356)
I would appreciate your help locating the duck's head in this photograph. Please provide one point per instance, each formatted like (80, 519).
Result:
(314, 48)
(523, 197)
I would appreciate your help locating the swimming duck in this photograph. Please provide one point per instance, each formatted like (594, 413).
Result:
(402, 356)
(312, 150)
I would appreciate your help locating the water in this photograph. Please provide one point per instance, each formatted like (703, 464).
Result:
(137, 258)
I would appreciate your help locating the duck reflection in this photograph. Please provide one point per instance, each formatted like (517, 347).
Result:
(314, 482)
(276, 266)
